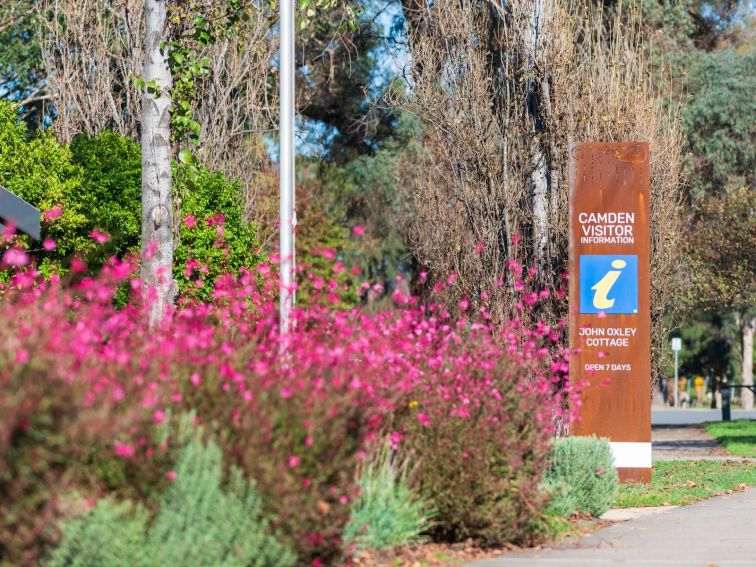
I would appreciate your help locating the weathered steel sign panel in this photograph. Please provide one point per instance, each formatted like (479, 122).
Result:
(15, 210)
(609, 298)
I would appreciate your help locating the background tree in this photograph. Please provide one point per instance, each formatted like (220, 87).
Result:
(723, 258)
(712, 58)
(22, 76)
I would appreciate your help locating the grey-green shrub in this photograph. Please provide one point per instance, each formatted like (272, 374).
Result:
(581, 476)
(386, 513)
(201, 521)
(110, 534)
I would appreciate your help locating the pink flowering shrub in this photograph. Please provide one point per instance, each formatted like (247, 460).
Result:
(84, 387)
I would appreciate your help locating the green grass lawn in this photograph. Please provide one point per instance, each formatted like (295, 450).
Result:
(684, 482)
(738, 437)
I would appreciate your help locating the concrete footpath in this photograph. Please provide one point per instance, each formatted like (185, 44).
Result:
(718, 532)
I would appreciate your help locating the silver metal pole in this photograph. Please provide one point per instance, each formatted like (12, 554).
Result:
(286, 160)
(676, 387)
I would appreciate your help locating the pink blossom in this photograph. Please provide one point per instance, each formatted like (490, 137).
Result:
(190, 221)
(49, 244)
(215, 220)
(395, 439)
(99, 237)
(15, 257)
(423, 419)
(339, 362)
(124, 450)
(77, 265)
(358, 230)
(171, 475)
(52, 214)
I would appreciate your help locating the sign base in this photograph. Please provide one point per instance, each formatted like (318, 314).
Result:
(627, 474)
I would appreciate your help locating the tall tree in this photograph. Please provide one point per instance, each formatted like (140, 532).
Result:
(723, 257)
(721, 148)
(157, 201)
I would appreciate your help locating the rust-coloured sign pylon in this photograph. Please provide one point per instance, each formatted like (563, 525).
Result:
(610, 327)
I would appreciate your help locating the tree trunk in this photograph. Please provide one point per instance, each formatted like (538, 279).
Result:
(746, 396)
(539, 103)
(157, 205)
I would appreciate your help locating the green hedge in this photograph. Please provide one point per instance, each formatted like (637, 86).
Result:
(97, 182)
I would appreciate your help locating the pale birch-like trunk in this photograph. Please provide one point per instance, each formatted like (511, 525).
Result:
(746, 396)
(157, 205)
(538, 108)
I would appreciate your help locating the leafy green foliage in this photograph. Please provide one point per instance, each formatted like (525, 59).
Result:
(219, 241)
(710, 345)
(371, 191)
(581, 476)
(41, 171)
(386, 513)
(684, 24)
(97, 184)
(109, 194)
(718, 119)
(201, 521)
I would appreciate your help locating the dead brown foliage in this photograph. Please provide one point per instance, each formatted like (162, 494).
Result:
(501, 93)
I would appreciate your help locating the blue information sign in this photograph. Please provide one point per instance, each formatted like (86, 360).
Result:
(609, 284)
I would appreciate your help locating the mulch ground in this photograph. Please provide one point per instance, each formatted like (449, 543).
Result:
(447, 555)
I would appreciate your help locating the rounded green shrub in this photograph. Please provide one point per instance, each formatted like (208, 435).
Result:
(96, 184)
(40, 170)
(581, 476)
